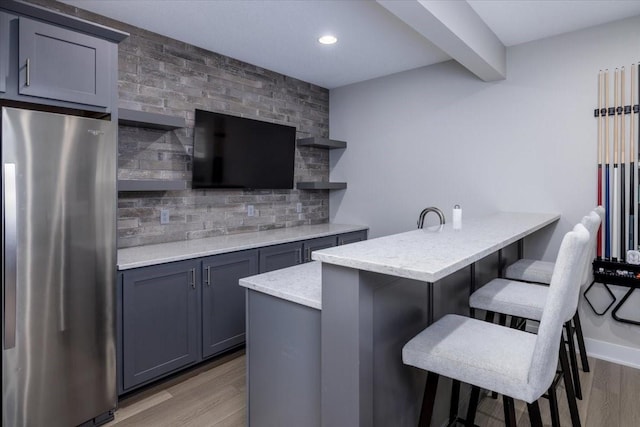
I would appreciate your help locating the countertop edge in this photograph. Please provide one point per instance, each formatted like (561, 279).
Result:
(414, 274)
(128, 265)
(306, 289)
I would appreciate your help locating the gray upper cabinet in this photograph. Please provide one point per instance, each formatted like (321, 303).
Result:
(61, 64)
(53, 59)
(223, 300)
(4, 51)
(160, 315)
(280, 256)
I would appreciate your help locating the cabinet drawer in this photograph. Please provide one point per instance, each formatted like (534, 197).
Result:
(280, 256)
(317, 244)
(355, 236)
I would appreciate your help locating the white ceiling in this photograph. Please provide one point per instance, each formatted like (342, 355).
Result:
(281, 35)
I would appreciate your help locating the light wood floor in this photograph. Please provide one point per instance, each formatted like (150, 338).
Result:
(214, 395)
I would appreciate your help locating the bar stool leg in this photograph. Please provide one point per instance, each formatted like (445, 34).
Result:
(573, 361)
(473, 406)
(534, 414)
(581, 347)
(453, 405)
(509, 411)
(568, 385)
(428, 399)
(553, 406)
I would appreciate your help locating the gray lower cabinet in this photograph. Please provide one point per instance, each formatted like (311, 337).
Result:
(159, 320)
(173, 315)
(354, 236)
(61, 64)
(316, 244)
(223, 301)
(280, 256)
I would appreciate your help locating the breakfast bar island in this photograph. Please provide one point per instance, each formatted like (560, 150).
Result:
(375, 296)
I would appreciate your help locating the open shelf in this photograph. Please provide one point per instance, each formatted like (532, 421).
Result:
(321, 185)
(321, 143)
(151, 185)
(149, 120)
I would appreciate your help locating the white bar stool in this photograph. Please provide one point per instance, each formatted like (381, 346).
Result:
(536, 271)
(514, 363)
(527, 301)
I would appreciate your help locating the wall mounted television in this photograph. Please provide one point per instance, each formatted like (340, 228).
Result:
(236, 152)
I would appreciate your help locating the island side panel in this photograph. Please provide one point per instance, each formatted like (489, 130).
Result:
(347, 342)
(283, 362)
(400, 312)
(366, 320)
(364, 382)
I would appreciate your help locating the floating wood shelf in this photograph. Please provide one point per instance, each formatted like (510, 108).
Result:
(144, 119)
(151, 185)
(321, 185)
(321, 143)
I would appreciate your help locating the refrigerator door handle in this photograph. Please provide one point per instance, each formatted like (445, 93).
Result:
(10, 251)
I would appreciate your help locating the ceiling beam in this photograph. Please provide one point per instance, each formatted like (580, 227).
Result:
(457, 29)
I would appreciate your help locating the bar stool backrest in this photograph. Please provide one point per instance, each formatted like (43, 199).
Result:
(591, 222)
(565, 282)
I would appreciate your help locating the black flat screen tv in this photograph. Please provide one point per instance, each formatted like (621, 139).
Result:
(236, 152)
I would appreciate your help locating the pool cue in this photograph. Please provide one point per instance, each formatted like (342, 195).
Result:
(615, 217)
(623, 175)
(607, 188)
(636, 73)
(633, 170)
(599, 250)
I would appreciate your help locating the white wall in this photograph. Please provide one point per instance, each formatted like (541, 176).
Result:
(439, 136)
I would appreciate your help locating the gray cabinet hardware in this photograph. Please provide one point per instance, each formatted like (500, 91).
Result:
(207, 279)
(28, 70)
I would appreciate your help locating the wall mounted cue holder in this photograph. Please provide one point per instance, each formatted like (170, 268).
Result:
(615, 273)
(612, 111)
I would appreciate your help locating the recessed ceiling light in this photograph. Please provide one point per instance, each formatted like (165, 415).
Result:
(328, 39)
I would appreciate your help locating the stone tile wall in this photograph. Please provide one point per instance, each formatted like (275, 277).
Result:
(162, 75)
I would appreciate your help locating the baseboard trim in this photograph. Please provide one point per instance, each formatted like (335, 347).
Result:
(615, 353)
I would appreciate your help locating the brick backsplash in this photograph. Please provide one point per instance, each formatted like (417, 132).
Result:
(163, 75)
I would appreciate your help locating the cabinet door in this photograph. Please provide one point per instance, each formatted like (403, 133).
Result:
(4, 50)
(61, 64)
(317, 244)
(223, 300)
(160, 320)
(280, 256)
(354, 236)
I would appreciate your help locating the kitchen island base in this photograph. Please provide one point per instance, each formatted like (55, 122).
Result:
(283, 362)
(364, 382)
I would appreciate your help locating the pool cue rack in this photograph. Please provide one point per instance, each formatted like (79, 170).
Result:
(618, 153)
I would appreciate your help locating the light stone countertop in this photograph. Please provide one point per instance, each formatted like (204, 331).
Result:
(301, 284)
(431, 254)
(141, 256)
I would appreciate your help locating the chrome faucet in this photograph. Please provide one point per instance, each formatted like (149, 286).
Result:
(424, 213)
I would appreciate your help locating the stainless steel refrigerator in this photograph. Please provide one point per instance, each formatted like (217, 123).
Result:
(58, 265)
